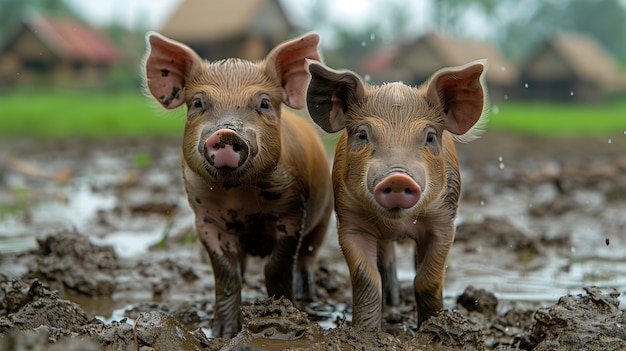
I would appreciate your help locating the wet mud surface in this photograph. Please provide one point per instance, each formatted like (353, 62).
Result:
(104, 256)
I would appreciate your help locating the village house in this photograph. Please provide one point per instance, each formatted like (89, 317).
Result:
(414, 62)
(571, 67)
(59, 51)
(247, 29)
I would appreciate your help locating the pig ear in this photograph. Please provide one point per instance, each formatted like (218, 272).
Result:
(168, 65)
(461, 93)
(330, 94)
(287, 64)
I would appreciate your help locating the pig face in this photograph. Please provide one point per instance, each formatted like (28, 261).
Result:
(393, 154)
(232, 132)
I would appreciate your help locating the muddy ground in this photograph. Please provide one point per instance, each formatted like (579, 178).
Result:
(97, 253)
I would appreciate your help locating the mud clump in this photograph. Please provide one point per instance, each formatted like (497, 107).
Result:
(579, 322)
(69, 262)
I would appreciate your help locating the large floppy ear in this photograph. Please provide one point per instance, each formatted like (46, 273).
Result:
(330, 94)
(462, 94)
(286, 62)
(168, 65)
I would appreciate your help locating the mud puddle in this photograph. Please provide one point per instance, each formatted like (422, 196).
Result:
(112, 248)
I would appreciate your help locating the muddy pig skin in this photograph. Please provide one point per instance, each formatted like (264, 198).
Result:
(257, 177)
(396, 175)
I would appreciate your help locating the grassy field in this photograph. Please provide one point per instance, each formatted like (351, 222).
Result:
(128, 114)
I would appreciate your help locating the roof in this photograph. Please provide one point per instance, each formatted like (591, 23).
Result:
(579, 56)
(433, 51)
(201, 20)
(71, 39)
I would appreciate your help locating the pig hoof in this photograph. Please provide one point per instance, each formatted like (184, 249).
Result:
(397, 191)
(225, 148)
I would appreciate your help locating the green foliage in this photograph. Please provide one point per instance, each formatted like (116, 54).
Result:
(63, 114)
(551, 119)
(86, 114)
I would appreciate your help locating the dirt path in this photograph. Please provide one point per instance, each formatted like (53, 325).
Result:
(540, 222)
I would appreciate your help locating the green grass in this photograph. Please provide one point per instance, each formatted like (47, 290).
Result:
(550, 119)
(84, 115)
(89, 114)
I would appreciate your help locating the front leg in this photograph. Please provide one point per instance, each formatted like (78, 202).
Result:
(227, 268)
(360, 252)
(431, 256)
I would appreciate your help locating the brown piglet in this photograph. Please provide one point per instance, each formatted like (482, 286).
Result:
(257, 177)
(396, 176)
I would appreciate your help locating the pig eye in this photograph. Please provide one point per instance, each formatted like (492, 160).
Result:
(265, 104)
(430, 137)
(362, 135)
(197, 103)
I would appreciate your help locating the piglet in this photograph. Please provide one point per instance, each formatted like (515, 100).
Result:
(396, 176)
(257, 177)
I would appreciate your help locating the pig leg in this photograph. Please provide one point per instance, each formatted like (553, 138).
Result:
(431, 255)
(280, 267)
(304, 278)
(360, 252)
(226, 261)
(227, 274)
(387, 269)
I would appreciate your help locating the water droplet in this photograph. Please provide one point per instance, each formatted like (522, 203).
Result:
(367, 77)
(506, 97)
(610, 141)
(363, 44)
(495, 109)
(499, 158)
(372, 36)
(414, 221)
(571, 93)
(482, 203)
(526, 85)
(501, 165)
(211, 188)
(573, 249)
(310, 248)
(503, 68)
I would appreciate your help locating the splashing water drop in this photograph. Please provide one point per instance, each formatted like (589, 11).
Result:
(571, 93)
(367, 78)
(482, 203)
(610, 141)
(526, 85)
(372, 36)
(363, 44)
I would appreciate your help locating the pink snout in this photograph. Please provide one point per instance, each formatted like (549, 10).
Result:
(225, 148)
(397, 190)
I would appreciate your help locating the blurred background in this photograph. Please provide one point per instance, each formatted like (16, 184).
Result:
(565, 51)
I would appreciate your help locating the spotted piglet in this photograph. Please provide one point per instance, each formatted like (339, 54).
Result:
(257, 176)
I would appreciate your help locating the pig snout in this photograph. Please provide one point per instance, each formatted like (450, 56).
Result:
(397, 190)
(225, 148)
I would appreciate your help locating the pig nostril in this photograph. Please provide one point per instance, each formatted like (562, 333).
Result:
(407, 190)
(387, 190)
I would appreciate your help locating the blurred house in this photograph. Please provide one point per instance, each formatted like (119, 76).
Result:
(414, 62)
(60, 51)
(246, 29)
(571, 67)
